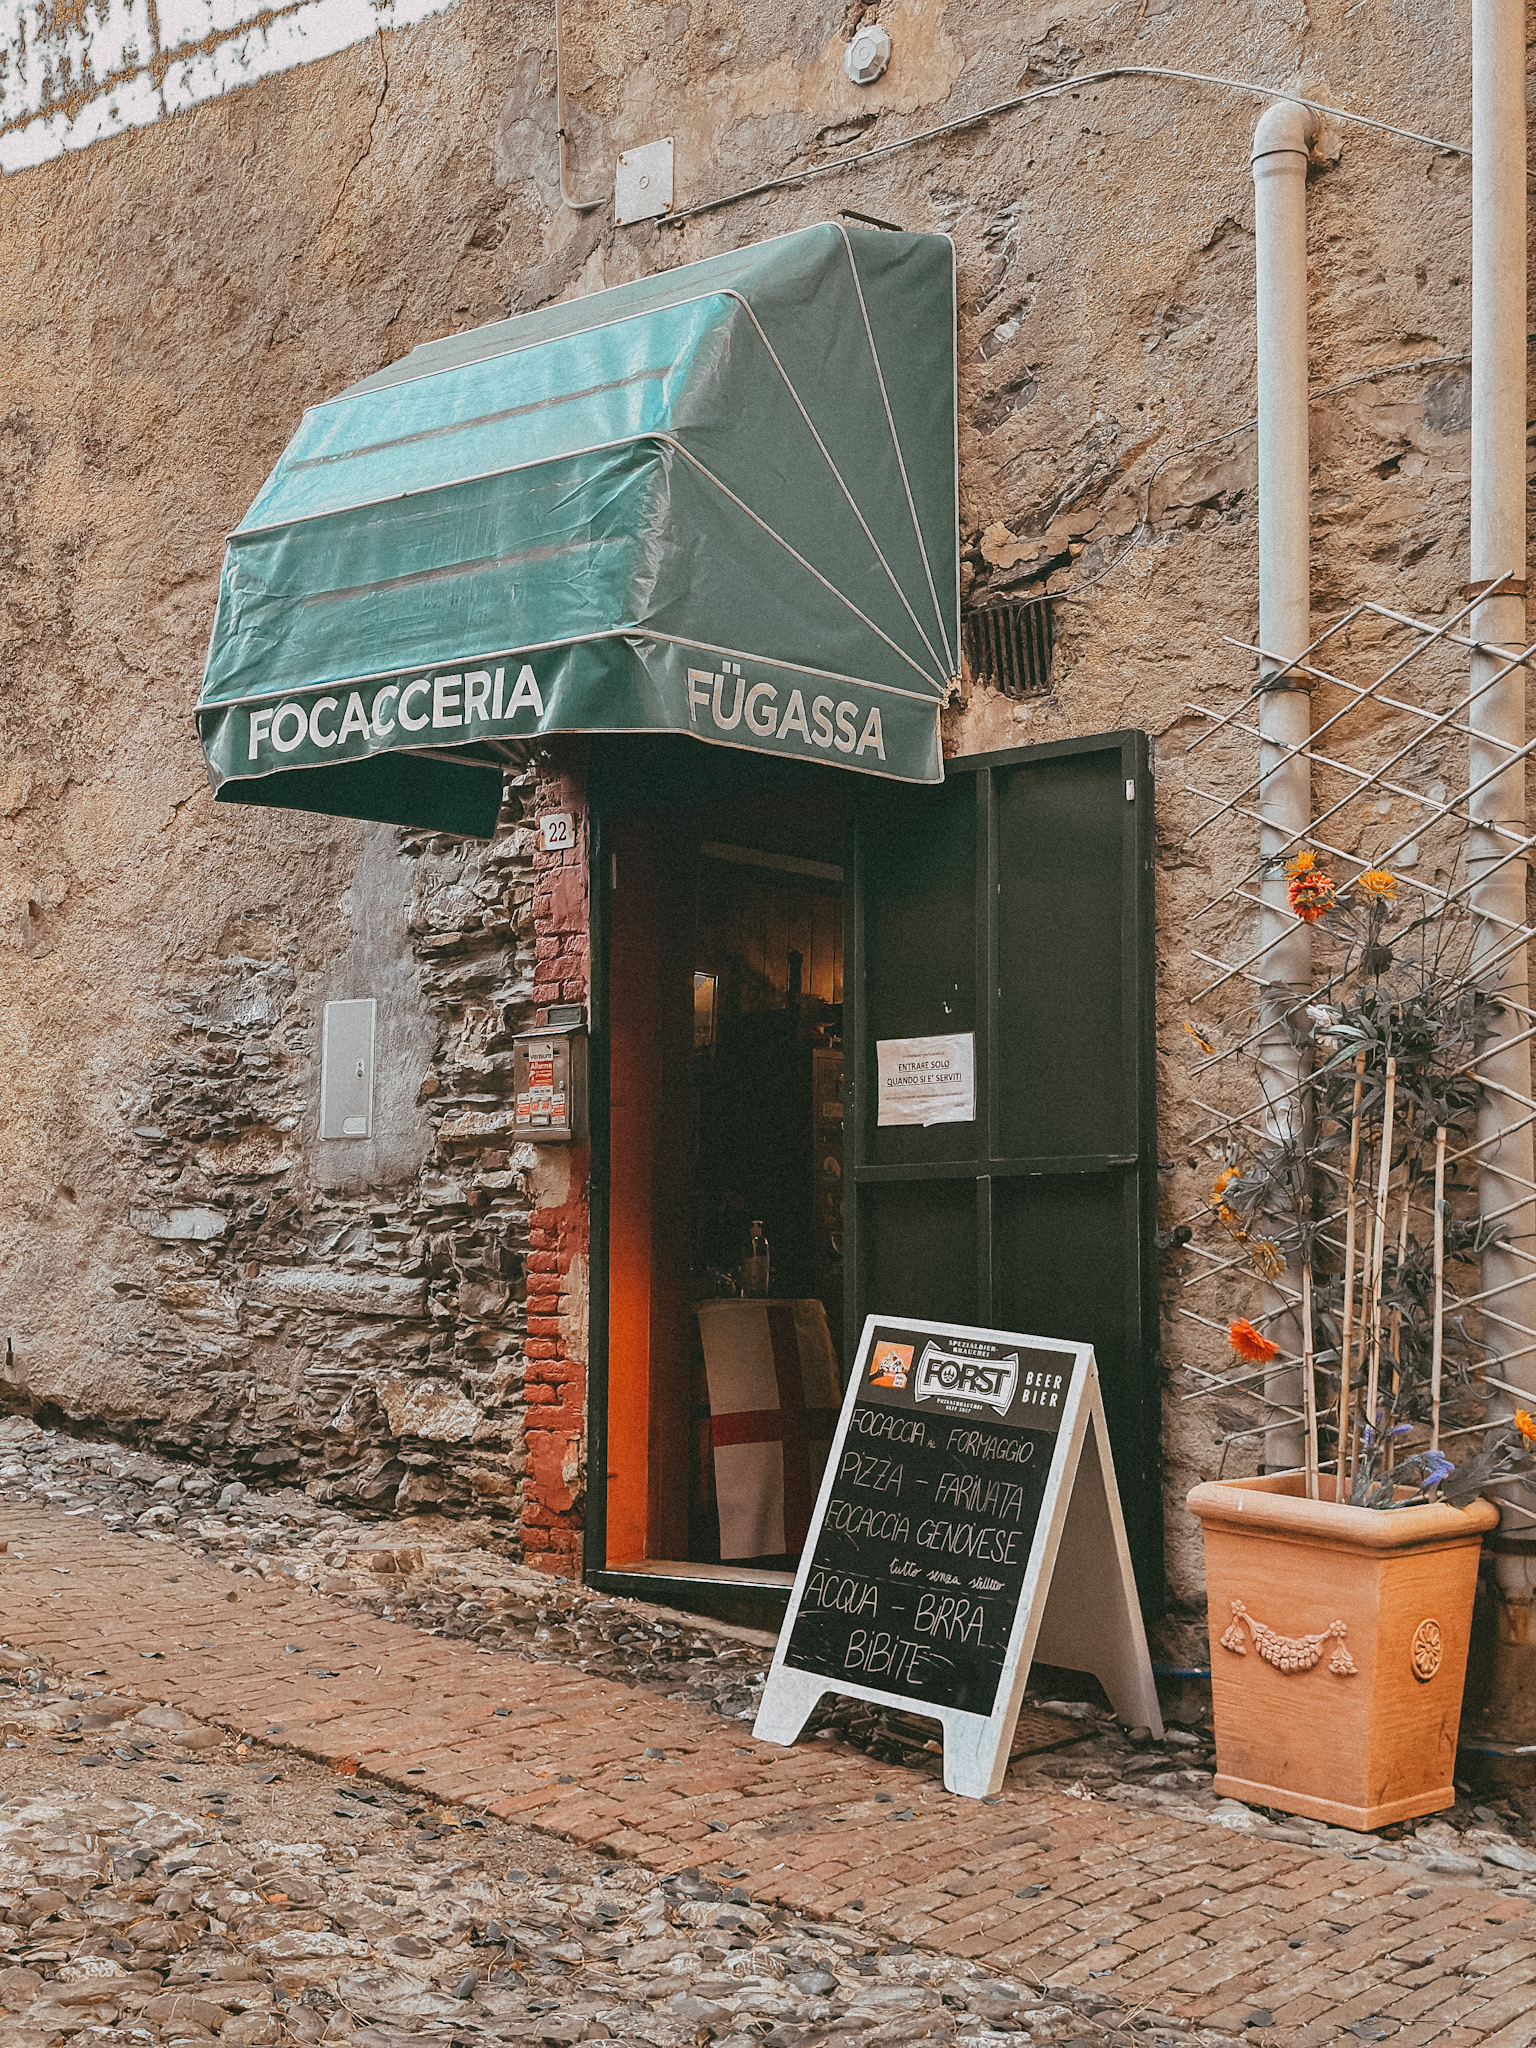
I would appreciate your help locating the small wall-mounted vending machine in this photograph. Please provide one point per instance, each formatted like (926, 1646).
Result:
(550, 1078)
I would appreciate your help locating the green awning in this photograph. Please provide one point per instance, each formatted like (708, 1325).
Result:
(718, 501)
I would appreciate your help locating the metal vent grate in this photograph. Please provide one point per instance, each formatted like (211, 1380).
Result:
(1009, 646)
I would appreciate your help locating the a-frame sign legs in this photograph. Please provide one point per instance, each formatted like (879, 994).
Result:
(787, 1703)
(1077, 1607)
(1080, 1608)
(1092, 1620)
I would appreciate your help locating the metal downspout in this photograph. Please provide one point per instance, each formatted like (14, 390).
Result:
(1498, 723)
(1281, 142)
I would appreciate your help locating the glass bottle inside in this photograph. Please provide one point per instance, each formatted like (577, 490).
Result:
(754, 1262)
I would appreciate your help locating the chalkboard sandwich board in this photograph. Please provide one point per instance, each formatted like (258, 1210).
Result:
(967, 1523)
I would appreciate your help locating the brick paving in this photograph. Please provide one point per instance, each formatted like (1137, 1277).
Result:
(1194, 1922)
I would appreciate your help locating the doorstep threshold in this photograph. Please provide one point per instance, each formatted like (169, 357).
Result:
(742, 1595)
(714, 1574)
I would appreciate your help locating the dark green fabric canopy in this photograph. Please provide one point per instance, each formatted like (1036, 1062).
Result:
(719, 501)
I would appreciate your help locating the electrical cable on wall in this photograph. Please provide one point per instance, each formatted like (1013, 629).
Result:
(575, 205)
(1044, 92)
(1054, 90)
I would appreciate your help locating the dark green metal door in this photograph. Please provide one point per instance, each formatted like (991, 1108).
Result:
(1015, 902)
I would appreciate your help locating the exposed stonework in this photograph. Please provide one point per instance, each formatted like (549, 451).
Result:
(410, 1341)
(367, 1340)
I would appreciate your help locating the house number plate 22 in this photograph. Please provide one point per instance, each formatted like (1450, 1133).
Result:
(557, 831)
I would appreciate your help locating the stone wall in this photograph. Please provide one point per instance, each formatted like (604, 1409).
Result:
(180, 1257)
(396, 1324)
(361, 1334)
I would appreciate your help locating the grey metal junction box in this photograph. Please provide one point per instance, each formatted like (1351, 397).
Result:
(346, 1069)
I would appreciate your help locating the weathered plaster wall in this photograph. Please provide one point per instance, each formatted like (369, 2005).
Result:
(176, 295)
(73, 76)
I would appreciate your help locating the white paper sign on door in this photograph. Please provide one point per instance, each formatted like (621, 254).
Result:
(926, 1080)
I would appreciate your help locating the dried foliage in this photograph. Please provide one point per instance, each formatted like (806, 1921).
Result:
(1397, 1017)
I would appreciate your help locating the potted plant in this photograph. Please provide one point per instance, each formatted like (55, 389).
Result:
(1337, 1678)
(1340, 1594)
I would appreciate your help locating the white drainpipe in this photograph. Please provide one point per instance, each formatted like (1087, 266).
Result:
(1498, 549)
(1281, 143)
(1498, 732)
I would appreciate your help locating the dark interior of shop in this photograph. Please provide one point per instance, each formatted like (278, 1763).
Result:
(725, 954)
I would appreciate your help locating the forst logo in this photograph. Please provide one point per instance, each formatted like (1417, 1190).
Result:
(947, 1376)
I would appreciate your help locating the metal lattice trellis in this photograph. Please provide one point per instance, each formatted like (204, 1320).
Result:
(1391, 754)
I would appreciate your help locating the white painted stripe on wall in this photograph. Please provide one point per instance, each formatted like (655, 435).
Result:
(64, 88)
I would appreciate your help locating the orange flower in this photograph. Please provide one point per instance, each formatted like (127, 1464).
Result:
(1226, 1217)
(1525, 1422)
(1266, 1258)
(1249, 1344)
(1311, 892)
(1377, 885)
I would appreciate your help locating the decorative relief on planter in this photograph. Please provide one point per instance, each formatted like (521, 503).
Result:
(1426, 1650)
(1300, 1653)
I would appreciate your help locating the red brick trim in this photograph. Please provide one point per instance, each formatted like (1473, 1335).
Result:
(555, 1381)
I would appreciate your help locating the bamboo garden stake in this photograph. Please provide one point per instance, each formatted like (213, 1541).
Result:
(1378, 1249)
(1439, 1330)
(1364, 1319)
(1347, 1334)
(1309, 1378)
(1402, 1254)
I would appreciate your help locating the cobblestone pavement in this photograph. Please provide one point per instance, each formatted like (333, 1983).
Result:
(1191, 1920)
(162, 1882)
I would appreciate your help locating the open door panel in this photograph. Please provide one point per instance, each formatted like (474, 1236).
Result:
(1015, 903)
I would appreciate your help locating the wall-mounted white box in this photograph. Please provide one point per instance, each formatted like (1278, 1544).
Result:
(642, 186)
(346, 1069)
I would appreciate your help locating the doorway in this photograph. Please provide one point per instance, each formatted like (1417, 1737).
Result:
(760, 931)
(723, 930)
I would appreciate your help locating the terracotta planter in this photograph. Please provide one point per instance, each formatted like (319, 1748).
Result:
(1338, 1648)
